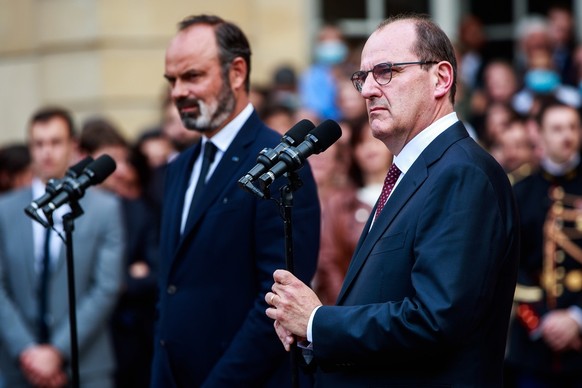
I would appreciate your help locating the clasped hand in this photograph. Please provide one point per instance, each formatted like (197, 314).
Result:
(292, 303)
(42, 366)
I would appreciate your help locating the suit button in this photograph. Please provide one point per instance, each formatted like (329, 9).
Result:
(162, 343)
(172, 289)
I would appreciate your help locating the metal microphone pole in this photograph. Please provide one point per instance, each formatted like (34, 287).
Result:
(69, 227)
(286, 206)
(286, 210)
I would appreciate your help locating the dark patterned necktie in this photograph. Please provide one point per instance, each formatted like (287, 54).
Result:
(389, 183)
(207, 159)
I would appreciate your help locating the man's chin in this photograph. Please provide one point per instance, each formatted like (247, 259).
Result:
(193, 125)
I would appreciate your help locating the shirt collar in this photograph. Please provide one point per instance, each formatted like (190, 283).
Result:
(559, 169)
(38, 188)
(227, 134)
(414, 148)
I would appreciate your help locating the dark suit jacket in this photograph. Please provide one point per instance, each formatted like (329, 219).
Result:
(212, 328)
(427, 296)
(533, 355)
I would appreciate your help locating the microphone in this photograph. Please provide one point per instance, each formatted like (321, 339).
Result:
(292, 158)
(268, 156)
(53, 187)
(74, 188)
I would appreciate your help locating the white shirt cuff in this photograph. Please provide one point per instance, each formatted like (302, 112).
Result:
(310, 325)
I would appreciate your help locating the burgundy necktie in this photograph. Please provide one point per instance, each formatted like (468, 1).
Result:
(389, 183)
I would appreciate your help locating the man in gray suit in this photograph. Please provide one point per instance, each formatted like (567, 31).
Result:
(35, 351)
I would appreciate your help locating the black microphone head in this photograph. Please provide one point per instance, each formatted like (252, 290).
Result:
(77, 169)
(100, 169)
(324, 135)
(297, 133)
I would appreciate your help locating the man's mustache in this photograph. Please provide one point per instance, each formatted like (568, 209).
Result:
(187, 103)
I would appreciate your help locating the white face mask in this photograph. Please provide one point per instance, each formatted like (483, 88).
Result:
(330, 52)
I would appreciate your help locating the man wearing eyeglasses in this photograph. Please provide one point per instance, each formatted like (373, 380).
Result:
(427, 297)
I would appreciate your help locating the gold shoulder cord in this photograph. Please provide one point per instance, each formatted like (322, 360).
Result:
(563, 224)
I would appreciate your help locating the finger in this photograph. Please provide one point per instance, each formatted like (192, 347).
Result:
(282, 276)
(272, 299)
(271, 312)
(282, 334)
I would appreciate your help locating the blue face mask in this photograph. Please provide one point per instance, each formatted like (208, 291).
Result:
(542, 81)
(330, 52)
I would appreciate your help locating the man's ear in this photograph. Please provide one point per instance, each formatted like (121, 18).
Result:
(443, 78)
(238, 73)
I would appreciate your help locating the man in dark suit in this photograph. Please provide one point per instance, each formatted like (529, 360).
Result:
(219, 248)
(427, 296)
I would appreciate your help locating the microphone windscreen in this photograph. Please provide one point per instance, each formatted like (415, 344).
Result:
(326, 133)
(100, 169)
(297, 133)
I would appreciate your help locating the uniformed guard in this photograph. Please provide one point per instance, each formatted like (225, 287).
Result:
(545, 345)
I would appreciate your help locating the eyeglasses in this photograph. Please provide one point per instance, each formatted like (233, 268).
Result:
(382, 73)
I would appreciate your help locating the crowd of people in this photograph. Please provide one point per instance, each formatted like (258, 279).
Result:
(144, 229)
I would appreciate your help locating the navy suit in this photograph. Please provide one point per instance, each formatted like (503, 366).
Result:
(427, 297)
(212, 328)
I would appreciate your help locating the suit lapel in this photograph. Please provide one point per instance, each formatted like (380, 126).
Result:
(413, 179)
(224, 174)
(175, 188)
(26, 241)
(411, 182)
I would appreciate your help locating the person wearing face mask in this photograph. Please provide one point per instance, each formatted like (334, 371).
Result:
(318, 83)
(540, 81)
(545, 342)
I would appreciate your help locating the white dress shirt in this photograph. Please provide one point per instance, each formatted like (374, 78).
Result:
(222, 141)
(404, 160)
(38, 231)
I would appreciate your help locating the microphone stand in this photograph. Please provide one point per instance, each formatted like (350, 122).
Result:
(286, 210)
(286, 207)
(69, 227)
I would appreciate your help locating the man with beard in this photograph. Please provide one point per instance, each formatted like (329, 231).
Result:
(219, 244)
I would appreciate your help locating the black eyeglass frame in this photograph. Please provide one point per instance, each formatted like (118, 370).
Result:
(359, 77)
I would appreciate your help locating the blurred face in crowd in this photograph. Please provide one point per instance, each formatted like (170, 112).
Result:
(123, 181)
(497, 119)
(560, 133)
(516, 146)
(561, 25)
(157, 150)
(471, 33)
(500, 82)
(120, 155)
(325, 166)
(51, 148)
(202, 95)
(350, 102)
(371, 155)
